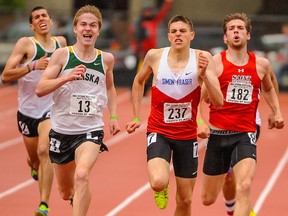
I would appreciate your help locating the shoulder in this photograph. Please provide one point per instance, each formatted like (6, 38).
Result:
(24, 41)
(59, 56)
(263, 65)
(154, 53)
(217, 57)
(262, 60)
(62, 40)
(23, 46)
(62, 51)
(108, 57)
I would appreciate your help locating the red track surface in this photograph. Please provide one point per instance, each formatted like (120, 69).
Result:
(119, 179)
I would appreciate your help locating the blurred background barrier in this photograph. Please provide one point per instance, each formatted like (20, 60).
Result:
(269, 32)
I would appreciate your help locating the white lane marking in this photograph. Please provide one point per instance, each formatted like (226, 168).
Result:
(112, 141)
(16, 188)
(271, 182)
(131, 198)
(10, 143)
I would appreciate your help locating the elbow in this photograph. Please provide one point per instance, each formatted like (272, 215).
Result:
(218, 103)
(39, 93)
(4, 79)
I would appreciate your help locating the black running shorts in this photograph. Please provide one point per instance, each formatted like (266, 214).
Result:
(63, 147)
(29, 126)
(184, 153)
(227, 148)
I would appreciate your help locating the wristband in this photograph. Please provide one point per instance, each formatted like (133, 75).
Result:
(200, 121)
(114, 117)
(137, 119)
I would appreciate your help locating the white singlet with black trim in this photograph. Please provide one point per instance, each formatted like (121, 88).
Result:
(29, 103)
(78, 105)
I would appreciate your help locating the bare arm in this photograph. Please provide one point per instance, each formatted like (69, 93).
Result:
(138, 90)
(274, 80)
(111, 93)
(207, 75)
(50, 81)
(203, 130)
(269, 92)
(19, 55)
(62, 41)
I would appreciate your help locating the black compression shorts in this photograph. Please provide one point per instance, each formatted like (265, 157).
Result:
(185, 153)
(226, 148)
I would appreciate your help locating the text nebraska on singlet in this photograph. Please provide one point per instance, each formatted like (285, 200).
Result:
(176, 82)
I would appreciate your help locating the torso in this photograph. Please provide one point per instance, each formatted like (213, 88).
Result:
(175, 97)
(29, 103)
(78, 105)
(240, 86)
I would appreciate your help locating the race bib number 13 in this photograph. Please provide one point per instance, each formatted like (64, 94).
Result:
(82, 105)
(177, 112)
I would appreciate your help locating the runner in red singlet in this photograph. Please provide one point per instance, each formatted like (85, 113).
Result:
(232, 140)
(179, 75)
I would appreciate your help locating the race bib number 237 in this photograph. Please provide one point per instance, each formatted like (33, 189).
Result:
(177, 112)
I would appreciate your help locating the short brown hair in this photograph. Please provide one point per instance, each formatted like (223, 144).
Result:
(240, 16)
(182, 19)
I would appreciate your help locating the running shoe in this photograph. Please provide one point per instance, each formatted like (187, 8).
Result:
(34, 172)
(161, 198)
(252, 213)
(42, 211)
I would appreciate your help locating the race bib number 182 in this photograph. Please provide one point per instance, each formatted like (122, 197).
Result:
(240, 93)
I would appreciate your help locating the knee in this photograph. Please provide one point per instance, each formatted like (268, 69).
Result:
(244, 188)
(66, 193)
(42, 151)
(81, 176)
(158, 184)
(184, 202)
(207, 199)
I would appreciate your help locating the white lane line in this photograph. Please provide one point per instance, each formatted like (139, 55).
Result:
(16, 188)
(131, 198)
(10, 143)
(6, 144)
(110, 142)
(271, 182)
(257, 206)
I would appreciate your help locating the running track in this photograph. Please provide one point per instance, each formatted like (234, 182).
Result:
(119, 178)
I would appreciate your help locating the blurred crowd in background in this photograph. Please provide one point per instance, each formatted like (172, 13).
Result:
(124, 36)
